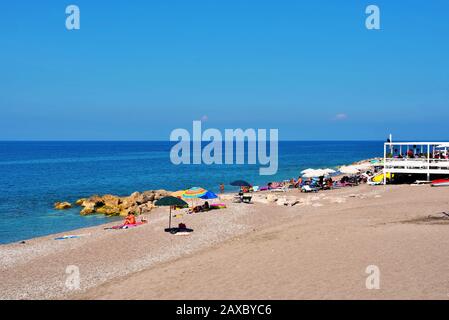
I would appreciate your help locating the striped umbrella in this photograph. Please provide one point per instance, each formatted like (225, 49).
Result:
(178, 194)
(195, 192)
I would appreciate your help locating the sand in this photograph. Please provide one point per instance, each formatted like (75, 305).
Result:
(317, 249)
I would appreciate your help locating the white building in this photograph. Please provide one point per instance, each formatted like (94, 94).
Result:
(427, 158)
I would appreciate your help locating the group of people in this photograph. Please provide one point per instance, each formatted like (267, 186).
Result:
(414, 154)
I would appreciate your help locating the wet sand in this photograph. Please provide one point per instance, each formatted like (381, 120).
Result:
(317, 249)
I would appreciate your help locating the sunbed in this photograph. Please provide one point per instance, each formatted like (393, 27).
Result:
(307, 188)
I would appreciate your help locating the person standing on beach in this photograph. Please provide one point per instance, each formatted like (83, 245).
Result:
(222, 188)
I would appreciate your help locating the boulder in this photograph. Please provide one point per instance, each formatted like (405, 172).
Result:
(79, 202)
(158, 194)
(95, 201)
(114, 205)
(124, 211)
(108, 210)
(128, 202)
(111, 200)
(91, 204)
(86, 211)
(148, 196)
(145, 208)
(62, 205)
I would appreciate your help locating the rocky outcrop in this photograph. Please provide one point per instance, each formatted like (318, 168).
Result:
(62, 205)
(112, 205)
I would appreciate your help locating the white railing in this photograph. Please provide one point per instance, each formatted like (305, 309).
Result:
(427, 163)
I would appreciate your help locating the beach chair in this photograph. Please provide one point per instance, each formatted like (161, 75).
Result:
(246, 198)
(307, 188)
(243, 198)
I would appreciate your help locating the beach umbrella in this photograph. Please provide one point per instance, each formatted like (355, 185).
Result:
(178, 194)
(195, 192)
(209, 195)
(315, 173)
(170, 201)
(307, 171)
(240, 183)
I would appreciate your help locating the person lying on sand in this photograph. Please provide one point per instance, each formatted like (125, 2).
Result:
(202, 208)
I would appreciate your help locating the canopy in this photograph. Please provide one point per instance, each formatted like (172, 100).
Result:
(240, 183)
(195, 192)
(209, 195)
(178, 194)
(315, 173)
(170, 201)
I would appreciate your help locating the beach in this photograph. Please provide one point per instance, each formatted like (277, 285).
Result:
(319, 248)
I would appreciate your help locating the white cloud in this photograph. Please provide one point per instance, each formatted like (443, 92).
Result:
(340, 117)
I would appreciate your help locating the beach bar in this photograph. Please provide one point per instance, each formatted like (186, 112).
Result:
(420, 158)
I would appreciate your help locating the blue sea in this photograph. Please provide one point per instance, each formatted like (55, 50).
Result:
(34, 175)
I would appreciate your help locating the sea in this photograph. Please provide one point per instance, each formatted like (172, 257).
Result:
(35, 174)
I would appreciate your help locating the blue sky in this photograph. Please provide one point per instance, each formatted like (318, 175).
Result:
(138, 69)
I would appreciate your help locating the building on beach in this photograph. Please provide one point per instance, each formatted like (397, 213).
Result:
(426, 159)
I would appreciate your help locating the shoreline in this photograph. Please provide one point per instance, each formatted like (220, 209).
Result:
(105, 223)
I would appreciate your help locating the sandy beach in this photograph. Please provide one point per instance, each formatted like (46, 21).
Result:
(317, 249)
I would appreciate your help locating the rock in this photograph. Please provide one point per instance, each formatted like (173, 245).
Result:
(91, 204)
(79, 202)
(148, 196)
(127, 203)
(134, 209)
(145, 208)
(111, 200)
(162, 192)
(95, 201)
(62, 205)
(158, 194)
(114, 205)
(86, 211)
(107, 210)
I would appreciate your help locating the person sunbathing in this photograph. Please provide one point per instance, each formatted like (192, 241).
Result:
(298, 183)
(130, 219)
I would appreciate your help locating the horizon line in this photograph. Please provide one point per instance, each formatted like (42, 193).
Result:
(135, 140)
